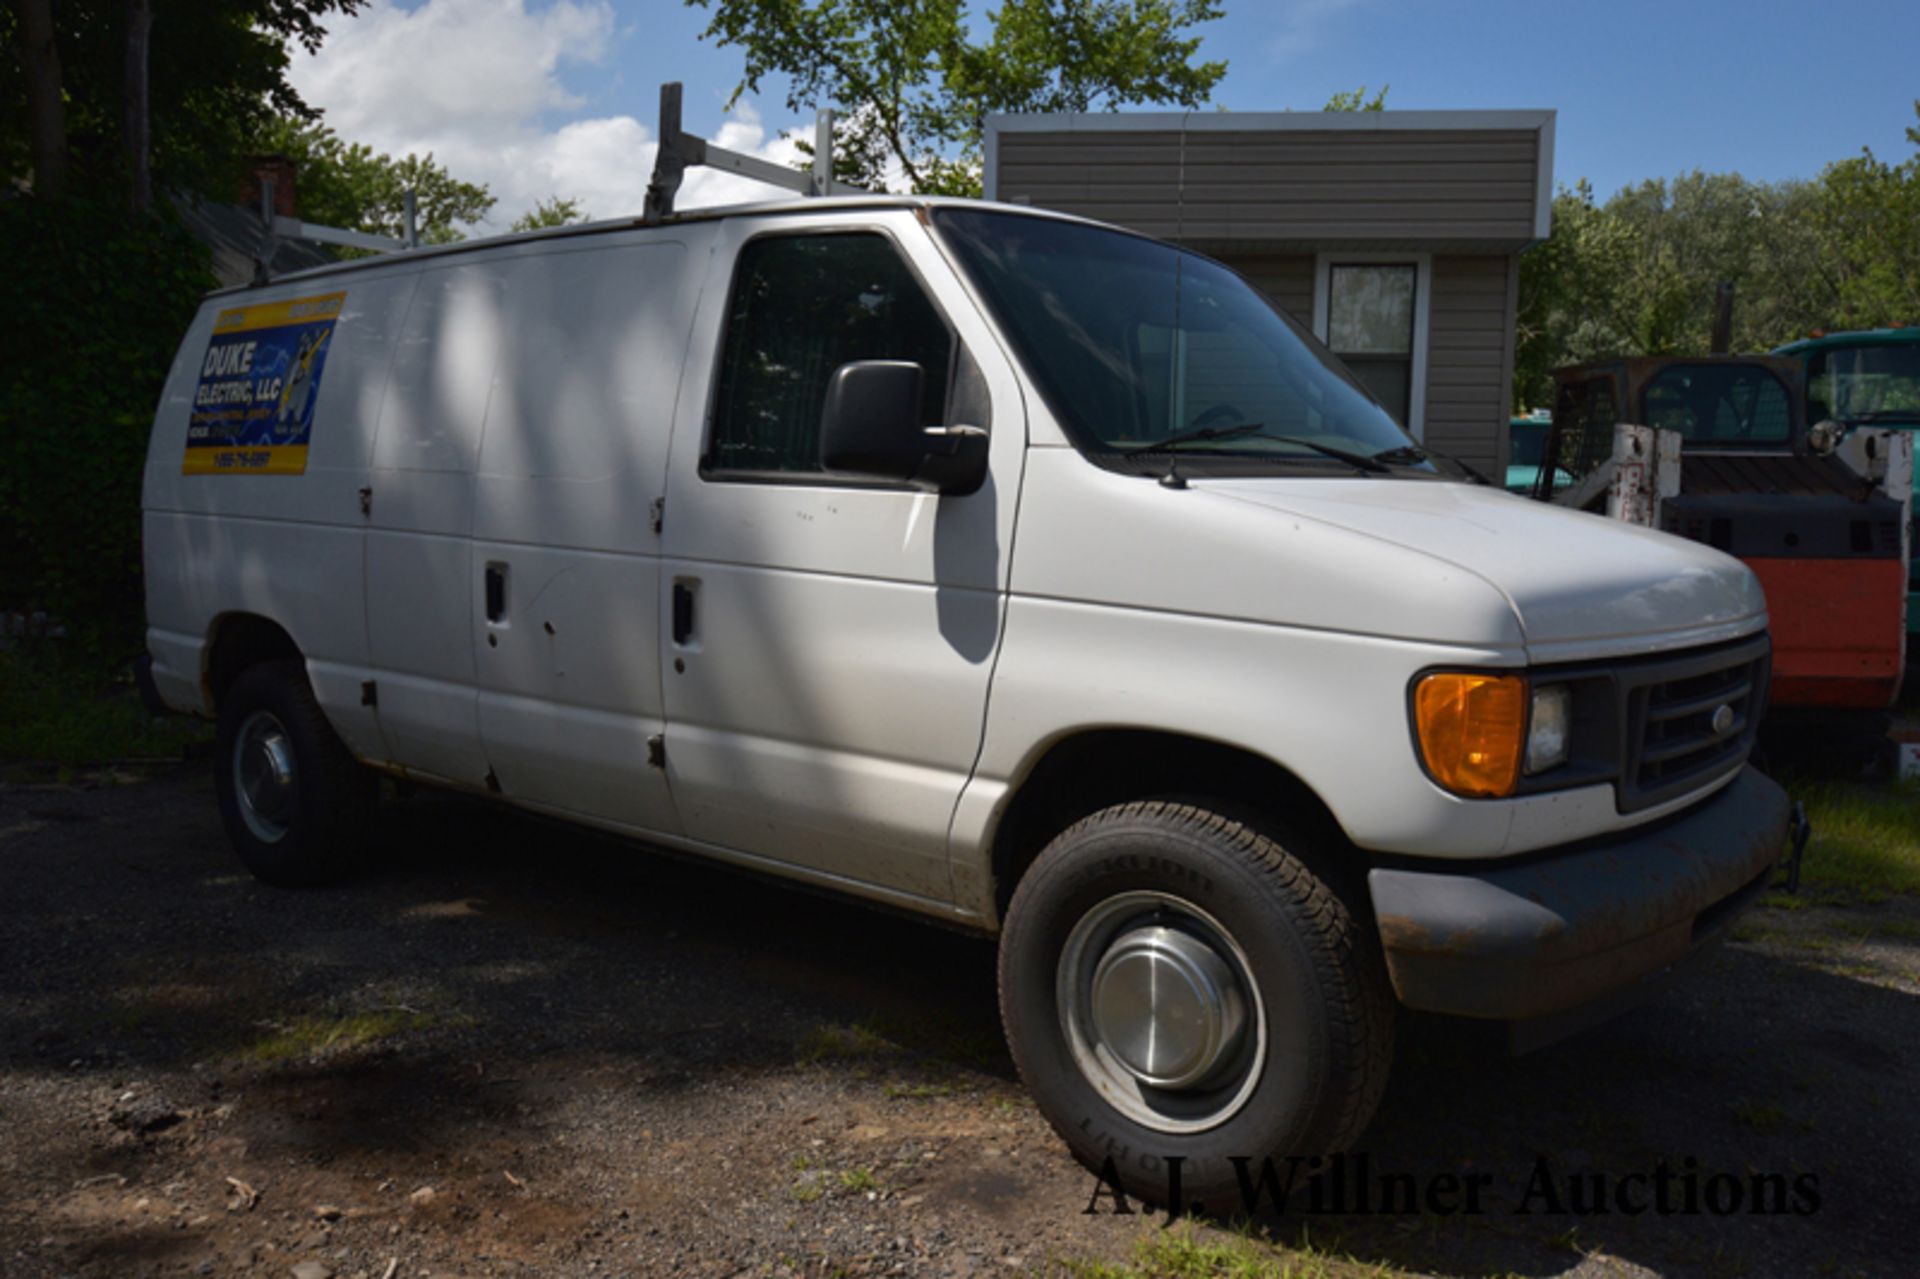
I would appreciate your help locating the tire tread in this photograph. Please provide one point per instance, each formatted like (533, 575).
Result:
(1347, 961)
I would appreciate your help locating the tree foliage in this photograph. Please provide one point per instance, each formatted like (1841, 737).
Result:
(1637, 274)
(101, 300)
(347, 184)
(914, 86)
(218, 73)
(553, 211)
(1357, 100)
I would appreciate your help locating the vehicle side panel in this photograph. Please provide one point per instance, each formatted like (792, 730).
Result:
(573, 462)
(285, 547)
(419, 597)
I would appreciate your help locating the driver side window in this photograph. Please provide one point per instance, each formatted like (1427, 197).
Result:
(802, 306)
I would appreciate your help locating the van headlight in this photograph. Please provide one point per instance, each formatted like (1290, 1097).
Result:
(1549, 728)
(1478, 730)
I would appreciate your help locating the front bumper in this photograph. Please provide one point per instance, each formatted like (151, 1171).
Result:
(1579, 928)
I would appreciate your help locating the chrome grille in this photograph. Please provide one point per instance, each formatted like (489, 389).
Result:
(1690, 720)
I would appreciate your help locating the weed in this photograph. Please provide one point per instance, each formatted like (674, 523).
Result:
(841, 1043)
(56, 712)
(1185, 1252)
(1763, 1117)
(1866, 841)
(316, 1036)
(859, 1180)
(900, 1091)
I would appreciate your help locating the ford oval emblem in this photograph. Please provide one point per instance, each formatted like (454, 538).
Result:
(1722, 720)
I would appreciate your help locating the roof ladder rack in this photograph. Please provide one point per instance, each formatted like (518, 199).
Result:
(680, 151)
(281, 227)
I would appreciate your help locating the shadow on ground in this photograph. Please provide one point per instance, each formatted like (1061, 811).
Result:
(457, 998)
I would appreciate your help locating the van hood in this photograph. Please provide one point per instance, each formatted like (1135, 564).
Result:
(1575, 581)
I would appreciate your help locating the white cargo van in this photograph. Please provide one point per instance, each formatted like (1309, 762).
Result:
(993, 564)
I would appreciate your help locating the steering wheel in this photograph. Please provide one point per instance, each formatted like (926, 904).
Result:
(1218, 413)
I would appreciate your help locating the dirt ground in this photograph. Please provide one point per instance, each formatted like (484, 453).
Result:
(519, 1050)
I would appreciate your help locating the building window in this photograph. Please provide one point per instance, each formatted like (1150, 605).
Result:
(1370, 320)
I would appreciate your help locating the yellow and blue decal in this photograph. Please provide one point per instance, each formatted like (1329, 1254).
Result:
(253, 409)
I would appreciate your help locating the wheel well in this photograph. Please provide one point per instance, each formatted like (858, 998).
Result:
(1089, 771)
(241, 640)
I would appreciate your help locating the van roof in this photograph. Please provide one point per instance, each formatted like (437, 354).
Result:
(813, 204)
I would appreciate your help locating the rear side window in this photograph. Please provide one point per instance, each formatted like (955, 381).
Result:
(802, 306)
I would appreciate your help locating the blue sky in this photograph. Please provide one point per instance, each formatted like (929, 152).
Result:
(559, 96)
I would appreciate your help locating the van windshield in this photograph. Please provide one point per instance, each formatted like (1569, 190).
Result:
(1140, 347)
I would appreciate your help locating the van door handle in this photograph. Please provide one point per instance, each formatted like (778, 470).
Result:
(496, 592)
(682, 612)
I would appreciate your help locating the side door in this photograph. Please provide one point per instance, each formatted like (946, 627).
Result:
(419, 506)
(829, 640)
(565, 576)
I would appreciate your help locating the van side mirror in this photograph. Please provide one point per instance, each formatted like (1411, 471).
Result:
(870, 425)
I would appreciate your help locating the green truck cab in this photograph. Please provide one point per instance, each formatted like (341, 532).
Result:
(1862, 377)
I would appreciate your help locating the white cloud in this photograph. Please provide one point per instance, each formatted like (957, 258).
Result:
(476, 83)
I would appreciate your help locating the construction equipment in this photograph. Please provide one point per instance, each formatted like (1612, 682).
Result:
(1718, 450)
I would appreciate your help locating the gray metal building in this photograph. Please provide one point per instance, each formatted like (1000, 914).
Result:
(1394, 235)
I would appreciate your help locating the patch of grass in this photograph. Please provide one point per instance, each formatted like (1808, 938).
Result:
(842, 1043)
(1866, 841)
(58, 712)
(1871, 927)
(943, 1034)
(314, 1036)
(902, 1091)
(1763, 1117)
(859, 1180)
(1186, 1252)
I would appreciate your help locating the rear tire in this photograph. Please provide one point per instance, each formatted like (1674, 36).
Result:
(296, 804)
(1177, 983)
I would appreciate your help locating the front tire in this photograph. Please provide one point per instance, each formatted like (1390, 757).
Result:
(295, 802)
(1177, 983)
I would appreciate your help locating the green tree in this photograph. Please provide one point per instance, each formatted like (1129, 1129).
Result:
(1358, 100)
(553, 211)
(1638, 274)
(915, 87)
(216, 72)
(348, 184)
(101, 299)
(1869, 213)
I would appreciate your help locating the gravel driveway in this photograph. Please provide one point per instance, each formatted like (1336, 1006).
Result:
(520, 1050)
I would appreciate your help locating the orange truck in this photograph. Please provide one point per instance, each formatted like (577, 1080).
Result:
(1818, 513)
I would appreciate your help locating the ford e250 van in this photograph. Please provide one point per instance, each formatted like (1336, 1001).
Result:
(992, 564)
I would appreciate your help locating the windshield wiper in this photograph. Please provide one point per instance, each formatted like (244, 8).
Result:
(1198, 434)
(1403, 455)
(1414, 454)
(1204, 434)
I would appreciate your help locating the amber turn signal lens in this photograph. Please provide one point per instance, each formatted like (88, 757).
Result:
(1472, 730)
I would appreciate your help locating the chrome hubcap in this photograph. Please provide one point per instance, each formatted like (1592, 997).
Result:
(1166, 1006)
(1161, 1011)
(263, 779)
